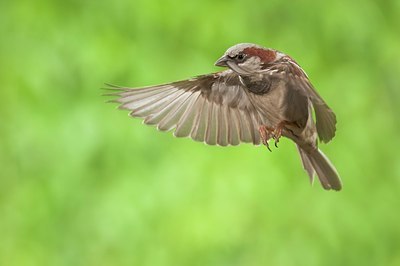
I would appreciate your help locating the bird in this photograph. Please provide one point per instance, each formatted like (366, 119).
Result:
(260, 96)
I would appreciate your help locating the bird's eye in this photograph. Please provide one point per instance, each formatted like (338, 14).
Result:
(240, 56)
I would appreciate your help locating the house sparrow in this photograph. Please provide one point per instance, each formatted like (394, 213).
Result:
(263, 95)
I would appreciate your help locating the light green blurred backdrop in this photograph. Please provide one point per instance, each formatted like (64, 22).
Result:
(83, 184)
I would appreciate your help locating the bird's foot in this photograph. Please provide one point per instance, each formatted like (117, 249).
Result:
(277, 134)
(266, 134)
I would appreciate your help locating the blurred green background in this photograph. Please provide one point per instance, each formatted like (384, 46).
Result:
(83, 184)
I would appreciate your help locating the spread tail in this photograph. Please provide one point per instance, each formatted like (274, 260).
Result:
(316, 162)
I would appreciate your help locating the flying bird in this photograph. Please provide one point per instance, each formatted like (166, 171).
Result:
(261, 96)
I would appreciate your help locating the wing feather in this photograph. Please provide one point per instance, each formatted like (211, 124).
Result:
(143, 107)
(234, 132)
(187, 121)
(212, 108)
(165, 118)
(137, 103)
(223, 126)
(200, 127)
(245, 130)
(211, 125)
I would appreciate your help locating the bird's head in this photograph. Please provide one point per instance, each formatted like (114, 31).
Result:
(246, 58)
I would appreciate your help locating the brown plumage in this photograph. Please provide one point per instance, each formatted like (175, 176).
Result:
(263, 94)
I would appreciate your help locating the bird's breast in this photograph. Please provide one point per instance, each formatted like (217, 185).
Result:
(273, 104)
(256, 83)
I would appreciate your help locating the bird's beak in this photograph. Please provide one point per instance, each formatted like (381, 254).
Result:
(222, 62)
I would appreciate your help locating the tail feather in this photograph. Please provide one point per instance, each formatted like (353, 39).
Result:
(317, 162)
(307, 164)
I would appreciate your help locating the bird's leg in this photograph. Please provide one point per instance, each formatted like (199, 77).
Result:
(266, 134)
(277, 133)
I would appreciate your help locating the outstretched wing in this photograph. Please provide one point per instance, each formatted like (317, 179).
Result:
(211, 108)
(288, 69)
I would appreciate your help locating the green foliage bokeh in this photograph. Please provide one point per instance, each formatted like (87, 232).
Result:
(83, 184)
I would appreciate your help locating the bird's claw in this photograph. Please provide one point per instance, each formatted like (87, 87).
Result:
(267, 145)
(277, 134)
(265, 134)
(268, 133)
